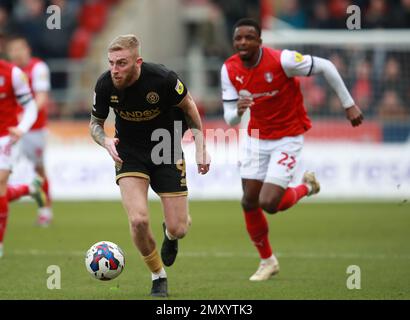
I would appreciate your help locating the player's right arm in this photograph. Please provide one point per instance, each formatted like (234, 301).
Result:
(99, 114)
(234, 105)
(25, 99)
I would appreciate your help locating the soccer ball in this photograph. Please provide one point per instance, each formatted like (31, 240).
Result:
(104, 260)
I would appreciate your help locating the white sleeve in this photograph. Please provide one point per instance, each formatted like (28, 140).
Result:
(41, 77)
(332, 76)
(21, 86)
(229, 97)
(295, 64)
(229, 92)
(231, 113)
(24, 98)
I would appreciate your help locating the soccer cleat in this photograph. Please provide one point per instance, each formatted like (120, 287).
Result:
(37, 192)
(169, 249)
(266, 270)
(310, 179)
(44, 217)
(1, 250)
(43, 221)
(159, 288)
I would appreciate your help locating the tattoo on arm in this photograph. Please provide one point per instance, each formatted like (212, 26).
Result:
(97, 130)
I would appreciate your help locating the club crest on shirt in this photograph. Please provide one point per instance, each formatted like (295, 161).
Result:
(152, 97)
(268, 76)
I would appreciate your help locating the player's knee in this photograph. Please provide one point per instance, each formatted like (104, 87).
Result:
(178, 231)
(269, 205)
(249, 204)
(139, 223)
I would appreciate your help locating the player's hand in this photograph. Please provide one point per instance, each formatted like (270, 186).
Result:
(244, 103)
(15, 134)
(203, 160)
(354, 115)
(110, 145)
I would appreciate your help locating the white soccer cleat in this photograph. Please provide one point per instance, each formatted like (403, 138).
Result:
(266, 270)
(1, 250)
(310, 180)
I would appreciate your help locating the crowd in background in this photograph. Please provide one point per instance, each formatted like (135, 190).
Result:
(379, 83)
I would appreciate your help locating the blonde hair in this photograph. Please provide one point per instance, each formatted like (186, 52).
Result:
(125, 41)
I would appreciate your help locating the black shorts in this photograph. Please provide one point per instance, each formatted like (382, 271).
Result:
(166, 179)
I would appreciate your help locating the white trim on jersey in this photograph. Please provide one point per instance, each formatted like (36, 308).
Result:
(295, 64)
(40, 77)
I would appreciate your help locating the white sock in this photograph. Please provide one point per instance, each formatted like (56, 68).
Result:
(271, 259)
(160, 274)
(170, 236)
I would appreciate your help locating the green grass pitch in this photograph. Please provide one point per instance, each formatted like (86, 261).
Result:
(315, 244)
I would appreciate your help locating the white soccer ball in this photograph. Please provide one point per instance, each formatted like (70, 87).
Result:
(105, 260)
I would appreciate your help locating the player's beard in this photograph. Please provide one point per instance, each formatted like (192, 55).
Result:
(124, 82)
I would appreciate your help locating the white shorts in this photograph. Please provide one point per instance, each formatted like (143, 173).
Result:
(271, 161)
(33, 145)
(8, 153)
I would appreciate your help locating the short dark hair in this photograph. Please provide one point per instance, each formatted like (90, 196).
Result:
(248, 22)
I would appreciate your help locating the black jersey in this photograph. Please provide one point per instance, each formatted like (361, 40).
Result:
(148, 104)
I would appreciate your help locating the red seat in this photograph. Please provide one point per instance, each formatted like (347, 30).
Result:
(79, 43)
(93, 16)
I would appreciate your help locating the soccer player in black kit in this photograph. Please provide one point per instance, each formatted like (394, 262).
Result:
(150, 102)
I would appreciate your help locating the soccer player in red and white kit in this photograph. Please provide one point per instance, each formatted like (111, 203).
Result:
(14, 94)
(263, 80)
(34, 142)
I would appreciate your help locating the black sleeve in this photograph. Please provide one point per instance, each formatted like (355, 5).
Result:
(175, 88)
(101, 107)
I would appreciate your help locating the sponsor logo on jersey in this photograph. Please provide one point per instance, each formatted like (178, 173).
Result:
(179, 87)
(268, 76)
(114, 99)
(145, 115)
(153, 97)
(298, 57)
(239, 79)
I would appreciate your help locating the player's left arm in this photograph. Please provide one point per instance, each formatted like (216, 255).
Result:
(24, 98)
(194, 122)
(296, 64)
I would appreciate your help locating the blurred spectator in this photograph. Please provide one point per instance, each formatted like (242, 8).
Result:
(57, 40)
(233, 10)
(402, 15)
(377, 15)
(292, 13)
(31, 20)
(392, 79)
(313, 94)
(320, 17)
(337, 10)
(391, 107)
(362, 90)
